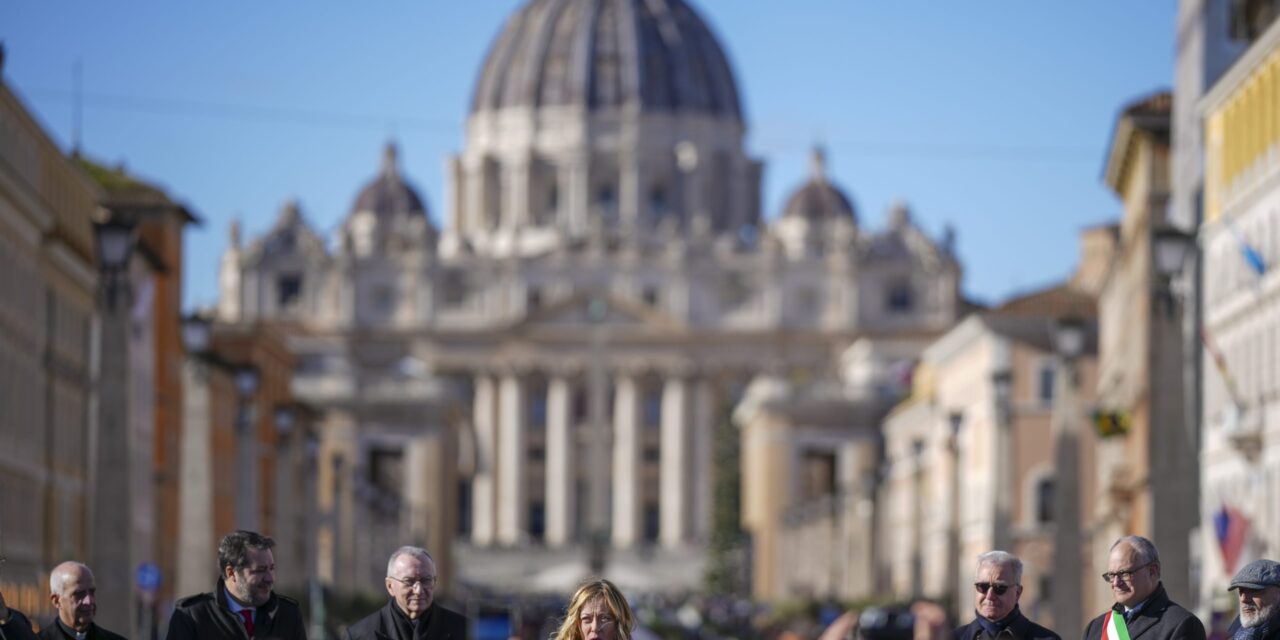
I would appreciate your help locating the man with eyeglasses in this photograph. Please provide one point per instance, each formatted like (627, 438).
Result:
(1257, 587)
(1142, 607)
(411, 613)
(242, 606)
(997, 586)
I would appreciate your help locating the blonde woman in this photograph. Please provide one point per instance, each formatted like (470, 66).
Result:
(597, 611)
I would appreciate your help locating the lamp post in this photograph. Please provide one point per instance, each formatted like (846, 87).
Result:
(917, 533)
(287, 495)
(955, 420)
(1170, 441)
(1002, 522)
(246, 382)
(195, 482)
(111, 540)
(1070, 335)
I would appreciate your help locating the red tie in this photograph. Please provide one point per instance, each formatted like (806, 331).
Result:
(247, 614)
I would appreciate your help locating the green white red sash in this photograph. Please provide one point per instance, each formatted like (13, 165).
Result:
(1114, 628)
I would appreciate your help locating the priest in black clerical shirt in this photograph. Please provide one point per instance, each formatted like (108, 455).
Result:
(411, 613)
(75, 597)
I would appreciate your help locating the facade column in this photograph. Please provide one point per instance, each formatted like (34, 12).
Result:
(630, 193)
(484, 480)
(516, 194)
(577, 196)
(512, 463)
(559, 469)
(703, 422)
(674, 463)
(626, 461)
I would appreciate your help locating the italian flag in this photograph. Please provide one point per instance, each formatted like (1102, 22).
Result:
(1113, 628)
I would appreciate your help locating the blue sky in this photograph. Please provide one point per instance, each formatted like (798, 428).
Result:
(989, 115)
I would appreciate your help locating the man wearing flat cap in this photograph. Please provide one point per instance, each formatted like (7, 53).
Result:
(1257, 585)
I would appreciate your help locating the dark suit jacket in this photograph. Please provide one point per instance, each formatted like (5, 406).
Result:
(17, 628)
(1159, 619)
(442, 624)
(1020, 628)
(207, 617)
(55, 631)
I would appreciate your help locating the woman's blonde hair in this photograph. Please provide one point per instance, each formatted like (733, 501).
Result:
(613, 598)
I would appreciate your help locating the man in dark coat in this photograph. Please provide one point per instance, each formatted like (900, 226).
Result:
(1257, 587)
(411, 613)
(14, 625)
(242, 605)
(998, 585)
(1133, 571)
(75, 597)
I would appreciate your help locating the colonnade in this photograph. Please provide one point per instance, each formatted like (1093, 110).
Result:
(500, 487)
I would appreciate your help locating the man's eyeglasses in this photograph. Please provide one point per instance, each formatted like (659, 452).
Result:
(983, 587)
(425, 582)
(1124, 574)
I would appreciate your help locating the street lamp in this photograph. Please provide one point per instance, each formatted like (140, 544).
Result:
(246, 383)
(917, 530)
(197, 333)
(1002, 382)
(114, 239)
(956, 421)
(1172, 247)
(1070, 335)
(283, 419)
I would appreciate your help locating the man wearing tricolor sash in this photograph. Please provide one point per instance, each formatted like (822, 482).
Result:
(1142, 610)
(998, 585)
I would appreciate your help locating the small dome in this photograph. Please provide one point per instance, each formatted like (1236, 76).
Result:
(652, 55)
(388, 194)
(819, 200)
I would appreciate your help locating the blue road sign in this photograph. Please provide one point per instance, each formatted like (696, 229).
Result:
(148, 577)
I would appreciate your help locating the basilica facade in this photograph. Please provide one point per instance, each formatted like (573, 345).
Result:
(539, 377)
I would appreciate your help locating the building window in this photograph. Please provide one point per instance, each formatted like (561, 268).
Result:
(658, 200)
(606, 200)
(464, 509)
(734, 291)
(533, 298)
(538, 406)
(819, 474)
(652, 454)
(650, 296)
(900, 298)
(288, 290)
(1046, 384)
(1044, 500)
(454, 289)
(581, 406)
(384, 298)
(807, 301)
(651, 520)
(652, 408)
(537, 454)
(537, 520)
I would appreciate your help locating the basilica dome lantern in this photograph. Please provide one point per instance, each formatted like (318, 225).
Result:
(816, 212)
(620, 114)
(388, 216)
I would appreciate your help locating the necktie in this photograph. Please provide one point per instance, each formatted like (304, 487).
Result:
(247, 614)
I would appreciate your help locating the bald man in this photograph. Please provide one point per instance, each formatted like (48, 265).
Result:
(75, 598)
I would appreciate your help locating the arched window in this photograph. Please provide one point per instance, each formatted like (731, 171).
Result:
(1044, 500)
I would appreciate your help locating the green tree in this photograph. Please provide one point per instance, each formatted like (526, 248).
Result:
(727, 548)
